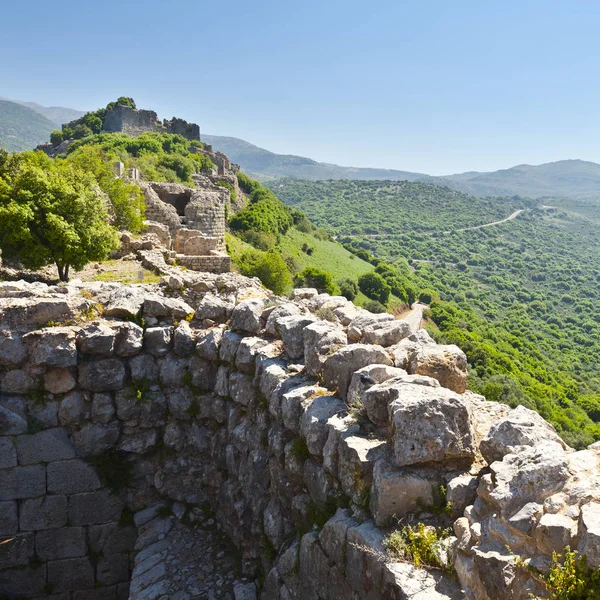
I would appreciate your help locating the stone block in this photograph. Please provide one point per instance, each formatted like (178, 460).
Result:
(111, 538)
(214, 308)
(8, 453)
(22, 582)
(70, 574)
(23, 482)
(44, 414)
(589, 543)
(333, 536)
(313, 422)
(184, 341)
(321, 339)
(204, 374)
(356, 458)
(159, 306)
(364, 564)
(555, 532)
(100, 593)
(461, 492)
(13, 351)
(71, 477)
(70, 409)
(9, 518)
(56, 544)
(143, 368)
(96, 340)
(158, 340)
(17, 381)
(385, 333)
(102, 375)
(59, 380)
(246, 316)
(93, 439)
(45, 446)
(47, 512)
(208, 345)
(241, 388)
(245, 357)
(13, 420)
(102, 408)
(230, 342)
(129, 340)
(113, 568)
(53, 347)
(173, 371)
(291, 330)
(94, 508)
(16, 551)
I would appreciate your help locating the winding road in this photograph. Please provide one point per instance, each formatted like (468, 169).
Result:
(510, 218)
(414, 316)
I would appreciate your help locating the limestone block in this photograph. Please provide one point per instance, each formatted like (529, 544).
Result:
(321, 339)
(356, 458)
(404, 580)
(241, 388)
(364, 567)
(9, 518)
(13, 420)
(184, 341)
(55, 544)
(173, 371)
(25, 582)
(44, 414)
(71, 477)
(399, 492)
(526, 519)
(246, 316)
(17, 381)
(282, 310)
(158, 340)
(314, 569)
(364, 320)
(447, 364)
(430, 424)
(160, 306)
(319, 483)
(385, 333)
(204, 374)
(70, 409)
(521, 427)
(23, 482)
(102, 375)
(16, 551)
(8, 453)
(347, 313)
(13, 351)
(129, 340)
(46, 512)
(245, 357)
(461, 492)
(102, 408)
(589, 537)
(555, 532)
(208, 345)
(229, 345)
(333, 536)
(45, 446)
(338, 428)
(137, 441)
(143, 368)
(93, 439)
(313, 421)
(52, 347)
(59, 381)
(341, 365)
(70, 574)
(125, 303)
(96, 340)
(294, 402)
(93, 508)
(222, 381)
(291, 331)
(532, 475)
(368, 376)
(303, 293)
(112, 569)
(111, 538)
(214, 308)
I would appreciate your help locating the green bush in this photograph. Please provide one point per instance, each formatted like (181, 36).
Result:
(570, 578)
(269, 267)
(348, 289)
(426, 296)
(374, 307)
(259, 239)
(56, 137)
(313, 277)
(373, 286)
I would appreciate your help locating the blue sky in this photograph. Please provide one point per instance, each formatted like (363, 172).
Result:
(430, 86)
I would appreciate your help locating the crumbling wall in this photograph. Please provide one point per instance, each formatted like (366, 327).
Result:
(241, 401)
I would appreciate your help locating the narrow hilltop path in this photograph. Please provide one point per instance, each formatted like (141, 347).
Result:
(414, 316)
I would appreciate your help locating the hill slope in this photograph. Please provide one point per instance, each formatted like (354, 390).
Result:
(22, 128)
(56, 114)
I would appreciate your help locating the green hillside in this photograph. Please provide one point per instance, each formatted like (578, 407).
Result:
(22, 128)
(521, 299)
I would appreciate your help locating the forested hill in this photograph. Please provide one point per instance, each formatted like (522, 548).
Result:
(22, 128)
(522, 298)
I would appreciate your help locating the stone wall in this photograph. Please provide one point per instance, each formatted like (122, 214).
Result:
(237, 400)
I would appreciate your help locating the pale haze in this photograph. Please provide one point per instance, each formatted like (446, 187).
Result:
(435, 87)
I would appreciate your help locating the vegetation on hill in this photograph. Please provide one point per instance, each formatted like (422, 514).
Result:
(521, 299)
(22, 128)
(57, 114)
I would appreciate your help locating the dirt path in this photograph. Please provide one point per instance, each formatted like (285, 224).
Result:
(510, 218)
(414, 316)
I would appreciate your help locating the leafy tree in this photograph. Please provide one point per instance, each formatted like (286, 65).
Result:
(374, 307)
(81, 131)
(315, 278)
(349, 289)
(52, 213)
(269, 267)
(373, 286)
(56, 137)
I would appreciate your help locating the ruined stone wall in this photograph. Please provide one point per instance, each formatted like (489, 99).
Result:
(245, 408)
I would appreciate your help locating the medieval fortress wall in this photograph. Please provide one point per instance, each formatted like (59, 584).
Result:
(239, 400)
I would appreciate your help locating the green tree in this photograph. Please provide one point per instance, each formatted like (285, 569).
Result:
(56, 137)
(315, 278)
(373, 286)
(81, 131)
(348, 289)
(269, 267)
(52, 213)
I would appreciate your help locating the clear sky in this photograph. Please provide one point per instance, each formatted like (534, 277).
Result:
(435, 86)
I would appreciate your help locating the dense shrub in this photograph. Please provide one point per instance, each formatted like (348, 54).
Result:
(348, 289)
(269, 267)
(374, 307)
(315, 278)
(373, 286)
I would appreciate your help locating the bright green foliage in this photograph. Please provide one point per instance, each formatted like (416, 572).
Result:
(374, 307)
(81, 131)
(265, 212)
(315, 278)
(127, 198)
(349, 289)
(570, 578)
(51, 212)
(426, 296)
(374, 286)
(259, 239)
(421, 545)
(56, 137)
(269, 267)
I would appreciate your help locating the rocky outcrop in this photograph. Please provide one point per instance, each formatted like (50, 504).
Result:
(206, 392)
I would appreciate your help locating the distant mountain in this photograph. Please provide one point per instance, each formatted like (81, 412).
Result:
(56, 114)
(266, 165)
(22, 128)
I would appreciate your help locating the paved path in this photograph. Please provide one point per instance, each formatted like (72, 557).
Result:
(510, 218)
(414, 316)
